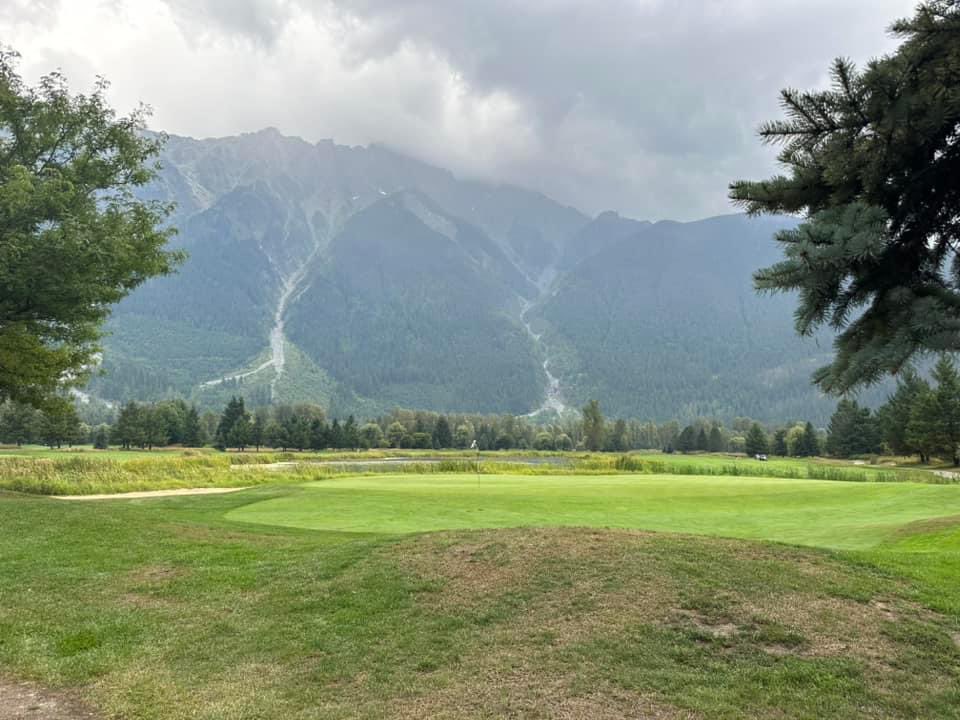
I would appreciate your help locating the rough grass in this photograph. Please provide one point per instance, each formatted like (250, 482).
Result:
(166, 609)
(85, 471)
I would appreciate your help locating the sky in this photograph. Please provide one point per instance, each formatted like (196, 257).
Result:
(647, 107)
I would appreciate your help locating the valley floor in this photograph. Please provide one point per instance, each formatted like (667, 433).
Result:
(468, 596)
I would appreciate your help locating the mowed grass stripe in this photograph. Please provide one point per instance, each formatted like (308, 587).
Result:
(806, 512)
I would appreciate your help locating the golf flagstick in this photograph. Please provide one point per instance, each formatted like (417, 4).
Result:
(474, 446)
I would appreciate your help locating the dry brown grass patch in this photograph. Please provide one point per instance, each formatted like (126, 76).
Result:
(26, 701)
(521, 693)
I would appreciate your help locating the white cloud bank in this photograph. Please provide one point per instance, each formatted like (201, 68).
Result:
(644, 106)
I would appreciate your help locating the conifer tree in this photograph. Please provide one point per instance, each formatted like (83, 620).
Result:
(232, 413)
(240, 433)
(154, 427)
(809, 445)
(192, 428)
(351, 438)
(756, 440)
(716, 442)
(442, 435)
(948, 408)
(935, 420)
(852, 431)
(873, 164)
(924, 424)
(593, 426)
(894, 416)
(780, 443)
(258, 430)
(129, 430)
(687, 440)
(275, 436)
(703, 444)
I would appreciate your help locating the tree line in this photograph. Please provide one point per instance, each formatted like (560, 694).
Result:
(922, 418)
(307, 426)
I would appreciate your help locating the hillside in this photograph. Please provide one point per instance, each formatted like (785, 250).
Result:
(362, 279)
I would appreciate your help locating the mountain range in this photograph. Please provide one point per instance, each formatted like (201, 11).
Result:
(362, 279)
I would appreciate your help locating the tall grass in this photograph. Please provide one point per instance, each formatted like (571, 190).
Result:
(749, 468)
(85, 475)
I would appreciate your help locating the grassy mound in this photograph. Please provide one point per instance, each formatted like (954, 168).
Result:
(172, 609)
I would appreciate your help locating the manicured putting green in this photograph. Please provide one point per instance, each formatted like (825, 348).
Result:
(807, 512)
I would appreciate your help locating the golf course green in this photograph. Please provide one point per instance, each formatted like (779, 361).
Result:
(804, 512)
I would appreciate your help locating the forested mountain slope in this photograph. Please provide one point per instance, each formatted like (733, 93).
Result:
(665, 321)
(362, 279)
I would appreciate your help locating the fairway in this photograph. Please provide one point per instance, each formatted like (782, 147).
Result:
(805, 512)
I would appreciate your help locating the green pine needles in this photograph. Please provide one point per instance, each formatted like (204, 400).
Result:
(874, 166)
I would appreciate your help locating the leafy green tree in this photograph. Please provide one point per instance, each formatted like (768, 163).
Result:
(463, 436)
(275, 436)
(396, 434)
(756, 440)
(852, 431)
(593, 426)
(873, 164)
(544, 441)
(422, 440)
(101, 437)
(59, 424)
(371, 436)
(74, 237)
(18, 423)
(619, 440)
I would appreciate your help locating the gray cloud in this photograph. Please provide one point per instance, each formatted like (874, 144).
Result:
(261, 21)
(645, 106)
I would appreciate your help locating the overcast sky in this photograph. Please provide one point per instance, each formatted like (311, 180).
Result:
(648, 107)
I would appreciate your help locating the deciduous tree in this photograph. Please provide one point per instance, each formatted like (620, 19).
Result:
(74, 237)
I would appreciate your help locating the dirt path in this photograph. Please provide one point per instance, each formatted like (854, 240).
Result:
(23, 701)
(149, 494)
